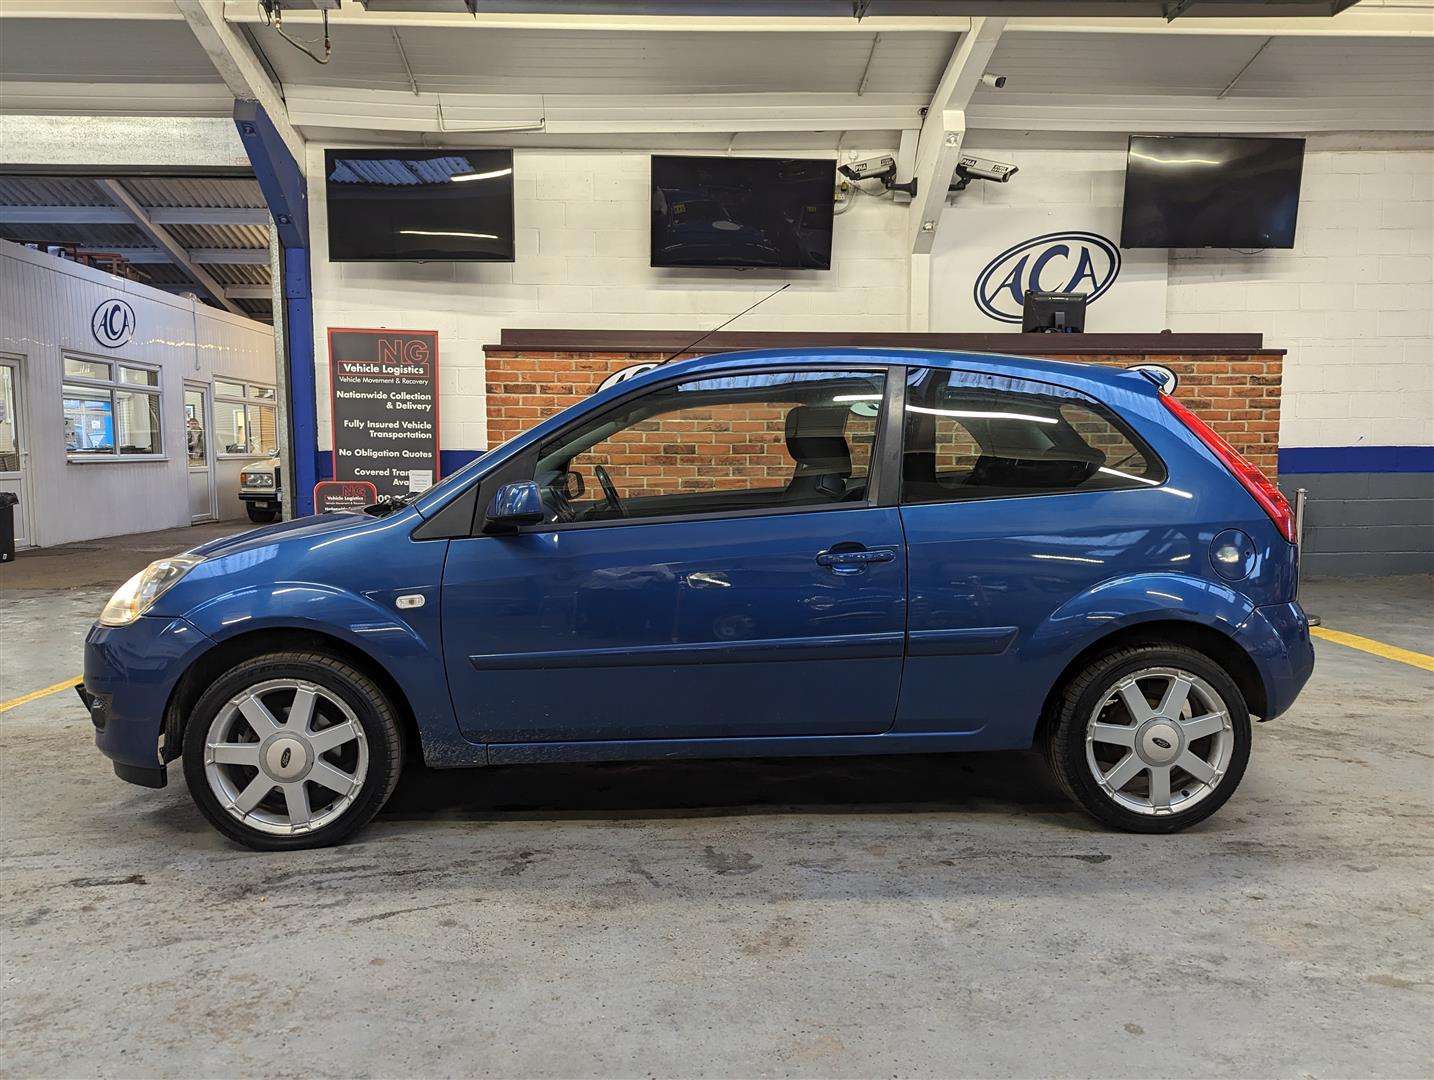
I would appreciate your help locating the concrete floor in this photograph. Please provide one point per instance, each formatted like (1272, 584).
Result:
(920, 916)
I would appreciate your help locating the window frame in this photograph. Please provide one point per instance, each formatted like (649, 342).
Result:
(884, 471)
(247, 401)
(1099, 408)
(112, 386)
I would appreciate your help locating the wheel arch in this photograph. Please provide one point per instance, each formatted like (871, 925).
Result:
(1204, 639)
(206, 667)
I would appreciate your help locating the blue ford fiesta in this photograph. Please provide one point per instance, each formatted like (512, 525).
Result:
(770, 553)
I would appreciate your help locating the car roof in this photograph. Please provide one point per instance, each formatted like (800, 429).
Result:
(1076, 374)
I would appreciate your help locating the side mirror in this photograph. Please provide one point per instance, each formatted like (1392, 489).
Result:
(513, 505)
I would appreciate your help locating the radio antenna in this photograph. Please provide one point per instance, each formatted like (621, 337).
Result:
(729, 322)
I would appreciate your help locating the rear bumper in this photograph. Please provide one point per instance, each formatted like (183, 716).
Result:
(130, 672)
(1277, 638)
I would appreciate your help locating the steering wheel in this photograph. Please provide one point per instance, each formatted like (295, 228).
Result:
(609, 491)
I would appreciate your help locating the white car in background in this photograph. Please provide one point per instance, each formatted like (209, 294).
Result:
(259, 489)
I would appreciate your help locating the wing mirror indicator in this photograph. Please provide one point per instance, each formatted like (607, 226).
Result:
(515, 505)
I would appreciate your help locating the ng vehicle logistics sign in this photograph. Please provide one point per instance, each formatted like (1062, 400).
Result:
(384, 399)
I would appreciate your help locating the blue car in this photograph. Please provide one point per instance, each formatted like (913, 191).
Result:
(794, 552)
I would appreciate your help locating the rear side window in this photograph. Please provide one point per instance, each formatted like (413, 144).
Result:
(970, 436)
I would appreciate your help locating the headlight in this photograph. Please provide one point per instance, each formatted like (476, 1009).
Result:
(264, 480)
(138, 594)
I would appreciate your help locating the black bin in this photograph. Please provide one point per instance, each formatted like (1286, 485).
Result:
(7, 525)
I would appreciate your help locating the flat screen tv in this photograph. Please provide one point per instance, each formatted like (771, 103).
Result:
(742, 212)
(1196, 192)
(420, 205)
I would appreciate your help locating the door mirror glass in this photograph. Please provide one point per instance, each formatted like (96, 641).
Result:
(513, 505)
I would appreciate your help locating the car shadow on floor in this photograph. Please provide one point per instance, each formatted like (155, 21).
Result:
(989, 782)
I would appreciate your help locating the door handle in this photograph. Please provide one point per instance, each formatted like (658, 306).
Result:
(854, 561)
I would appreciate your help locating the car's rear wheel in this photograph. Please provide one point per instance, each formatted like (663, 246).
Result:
(292, 750)
(262, 517)
(1150, 738)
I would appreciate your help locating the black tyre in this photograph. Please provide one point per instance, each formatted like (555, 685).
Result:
(292, 750)
(262, 517)
(1151, 738)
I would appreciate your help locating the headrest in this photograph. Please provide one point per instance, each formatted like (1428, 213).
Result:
(816, 439)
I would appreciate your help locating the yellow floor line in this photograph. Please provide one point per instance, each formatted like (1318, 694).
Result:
(1378, 648)
(6, 706)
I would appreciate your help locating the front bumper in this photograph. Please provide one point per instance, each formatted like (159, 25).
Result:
(1277, 637)
(130, 672)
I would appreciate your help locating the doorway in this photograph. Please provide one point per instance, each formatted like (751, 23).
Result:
(14, 451)
(199, 454)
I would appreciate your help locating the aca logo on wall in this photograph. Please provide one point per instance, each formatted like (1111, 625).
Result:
(113, 323)
(1080, 262)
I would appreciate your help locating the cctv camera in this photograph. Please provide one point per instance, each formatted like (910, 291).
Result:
(995, 82)
(878, 168)
(974, 168)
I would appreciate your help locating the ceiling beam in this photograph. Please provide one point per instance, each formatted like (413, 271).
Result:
(578, 114)
(241, 70)
(938, 147)
(114, 215)
(143, 256)
(231, 292)
(246, 11)
(161, 236)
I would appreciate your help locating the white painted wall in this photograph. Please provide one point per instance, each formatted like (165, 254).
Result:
(582, 243)
(45, 309)
(1351, 303)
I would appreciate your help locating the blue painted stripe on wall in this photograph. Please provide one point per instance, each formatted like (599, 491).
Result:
(1356, 459)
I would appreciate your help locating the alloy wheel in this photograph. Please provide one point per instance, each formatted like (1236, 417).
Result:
(286, 756)
(1160, 741)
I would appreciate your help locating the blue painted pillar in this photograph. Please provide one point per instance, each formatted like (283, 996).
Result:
(286, 193)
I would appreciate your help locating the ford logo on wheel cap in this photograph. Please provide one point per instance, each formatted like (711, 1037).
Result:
(1075, 262)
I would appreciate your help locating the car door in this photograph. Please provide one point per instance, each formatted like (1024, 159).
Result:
(1016, 497)
(716, 563)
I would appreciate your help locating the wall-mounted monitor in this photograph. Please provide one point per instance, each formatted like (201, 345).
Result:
(742, 212)
(1203, 192)
(420, 205)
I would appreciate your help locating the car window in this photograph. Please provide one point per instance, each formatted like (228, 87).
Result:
(969, 436)
(719, 445)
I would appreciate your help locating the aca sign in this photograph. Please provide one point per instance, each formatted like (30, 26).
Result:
(1074, 262)
(112, 324)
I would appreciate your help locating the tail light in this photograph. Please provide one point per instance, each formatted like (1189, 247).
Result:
(1270, 498)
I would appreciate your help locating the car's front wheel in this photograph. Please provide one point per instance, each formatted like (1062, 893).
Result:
(292, 750)
(260, 516)
(1150, 738)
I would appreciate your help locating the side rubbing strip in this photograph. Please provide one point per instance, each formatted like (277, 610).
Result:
(968, 641)
(883, 646)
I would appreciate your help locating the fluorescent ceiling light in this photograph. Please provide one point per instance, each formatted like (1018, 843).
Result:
(971, 414)
(459, 178)
(428, 232)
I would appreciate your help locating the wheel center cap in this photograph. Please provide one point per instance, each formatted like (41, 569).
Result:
(286, 758)
(1159, 742)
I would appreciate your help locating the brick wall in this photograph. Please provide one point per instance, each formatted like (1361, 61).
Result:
(1239, 395)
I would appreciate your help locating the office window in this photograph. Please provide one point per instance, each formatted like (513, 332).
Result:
(111, 410)
(245, 419)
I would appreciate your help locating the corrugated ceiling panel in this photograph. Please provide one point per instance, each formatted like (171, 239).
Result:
(220, 236)
(194, 191)
(1067, 64)
(572, 62)
(1300, 67)
(100, 51)
(108, 237)
(49, 191)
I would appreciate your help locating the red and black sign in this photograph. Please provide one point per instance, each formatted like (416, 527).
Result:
(343, 496)
(384, 398)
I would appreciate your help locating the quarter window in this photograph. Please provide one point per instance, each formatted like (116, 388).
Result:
(111, 410)
(770, 441)
(971, 436)
(245, 420)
